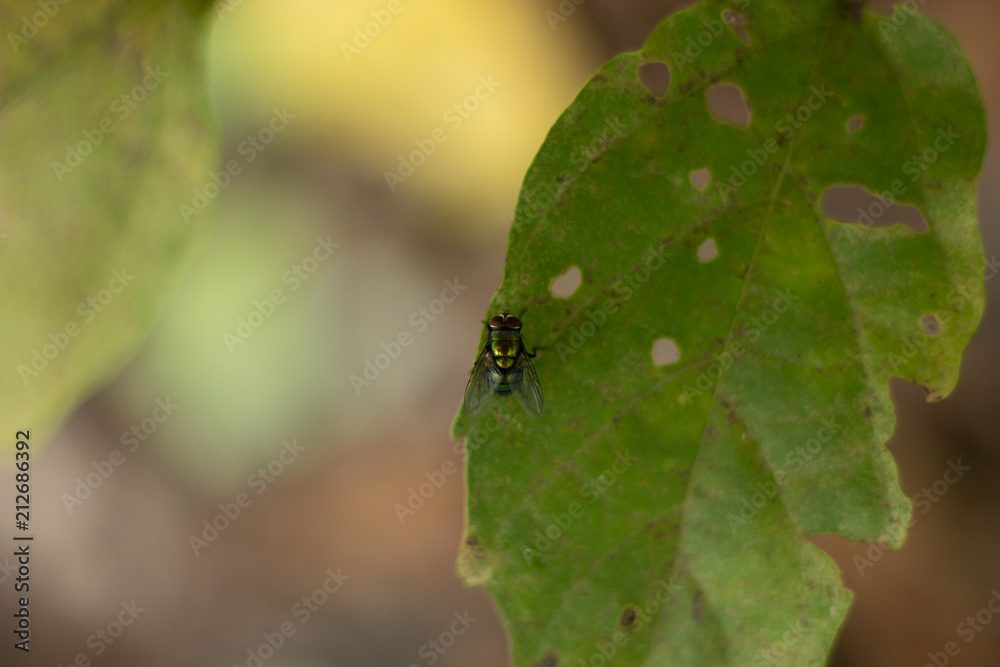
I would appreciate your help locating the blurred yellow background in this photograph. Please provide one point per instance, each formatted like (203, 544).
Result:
(259, 429)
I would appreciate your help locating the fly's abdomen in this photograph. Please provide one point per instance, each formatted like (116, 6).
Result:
(504, 346)
(504, 381)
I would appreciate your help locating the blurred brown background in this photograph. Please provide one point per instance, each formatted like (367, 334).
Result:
(332, 505)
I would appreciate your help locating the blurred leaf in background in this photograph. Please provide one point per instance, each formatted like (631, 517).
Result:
(105, 131)
(324, 175)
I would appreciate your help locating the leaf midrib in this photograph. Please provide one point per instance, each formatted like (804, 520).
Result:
(564, 598)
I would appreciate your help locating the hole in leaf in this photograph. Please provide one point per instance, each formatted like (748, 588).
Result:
(655, 76)
(738, 22)
(564, 286)
(699, 178)
(727, 103)
(708, 251)
(853, 203)
(855, 123)
(930, 325)
(665, 351)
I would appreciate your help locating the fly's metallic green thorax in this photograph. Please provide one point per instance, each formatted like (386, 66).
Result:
(504, 367)
(504, 346)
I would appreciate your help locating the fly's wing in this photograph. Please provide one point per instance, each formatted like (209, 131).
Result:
(480, 386)
(529, 391)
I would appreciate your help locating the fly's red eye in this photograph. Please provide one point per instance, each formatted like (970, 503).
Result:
(496, 322)
(513, 322)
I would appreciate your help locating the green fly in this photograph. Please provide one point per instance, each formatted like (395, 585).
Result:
(503, 368)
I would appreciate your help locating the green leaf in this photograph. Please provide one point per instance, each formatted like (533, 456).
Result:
(105, 130)
(661, 513)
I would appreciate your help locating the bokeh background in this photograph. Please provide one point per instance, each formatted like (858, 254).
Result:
(333, 505)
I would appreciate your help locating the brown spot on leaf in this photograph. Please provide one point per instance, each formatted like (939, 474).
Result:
(550, 660)
(852, 8)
